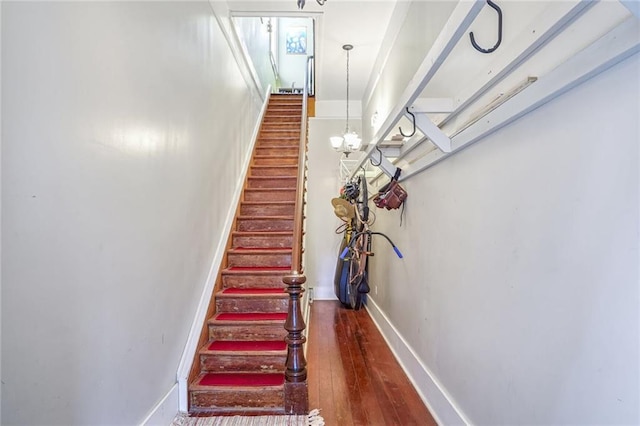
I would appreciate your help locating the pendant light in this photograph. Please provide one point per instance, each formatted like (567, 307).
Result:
(349, 141)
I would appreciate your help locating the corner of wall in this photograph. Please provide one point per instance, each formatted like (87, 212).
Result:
(165, 410)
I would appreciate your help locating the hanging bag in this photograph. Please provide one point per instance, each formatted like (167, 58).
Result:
(392, 195)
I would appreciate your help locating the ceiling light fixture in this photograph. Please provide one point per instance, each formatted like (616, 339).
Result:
(350, 141)
(302, 2)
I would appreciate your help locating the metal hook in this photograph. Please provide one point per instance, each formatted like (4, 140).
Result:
(413, 121)
(379, 161)
(473, 40)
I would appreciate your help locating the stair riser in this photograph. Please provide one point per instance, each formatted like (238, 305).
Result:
(236, 397)
(274, 171)
(278, 142)
(277, 151)
(286, 195)
(267, 210)
(241, 259)
(266, 241)
(272, 182)
(245, 304)
(274, 134)
(273, 117)
(218, 363)
(289, 110)
(247, 332)
(265, 225)
(288, 105)
(249, 280)
(276, 161)
(279, 126)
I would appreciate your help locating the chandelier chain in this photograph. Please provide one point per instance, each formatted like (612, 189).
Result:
(347, 125)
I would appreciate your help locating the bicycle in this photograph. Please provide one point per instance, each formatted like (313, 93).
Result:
(359, 246)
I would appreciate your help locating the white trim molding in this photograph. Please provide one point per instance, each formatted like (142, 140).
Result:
(440, 404)
(324, 293)
(164, 411)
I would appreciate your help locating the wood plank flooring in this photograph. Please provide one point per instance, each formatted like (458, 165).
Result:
(353, 377)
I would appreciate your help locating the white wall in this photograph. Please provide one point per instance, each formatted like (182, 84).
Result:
(253, 33)
(323, 184)
(292, 68)
(121, 148)
(422, 24)
(519, 287)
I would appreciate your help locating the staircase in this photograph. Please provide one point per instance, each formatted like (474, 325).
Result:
(240, 368)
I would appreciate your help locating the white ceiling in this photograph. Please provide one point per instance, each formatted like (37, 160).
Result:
(362, 23)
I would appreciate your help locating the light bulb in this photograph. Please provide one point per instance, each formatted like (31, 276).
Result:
(352, 141)
(336, 141)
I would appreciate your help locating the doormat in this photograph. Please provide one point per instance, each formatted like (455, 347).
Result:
(312, 419)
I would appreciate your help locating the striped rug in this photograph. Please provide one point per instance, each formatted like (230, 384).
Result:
(313, 419)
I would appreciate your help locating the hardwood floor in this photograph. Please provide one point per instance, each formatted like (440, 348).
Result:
(353, 376)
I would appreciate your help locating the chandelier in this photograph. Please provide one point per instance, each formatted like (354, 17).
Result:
(302, 2)
(349, 141)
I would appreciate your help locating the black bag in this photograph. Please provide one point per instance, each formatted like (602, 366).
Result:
(392, 195)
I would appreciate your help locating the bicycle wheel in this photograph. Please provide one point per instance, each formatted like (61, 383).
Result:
(355, 298)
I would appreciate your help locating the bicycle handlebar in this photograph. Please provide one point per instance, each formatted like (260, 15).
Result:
(357, 234)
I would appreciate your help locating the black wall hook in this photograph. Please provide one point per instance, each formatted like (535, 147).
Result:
(473, 40)
(413, 121)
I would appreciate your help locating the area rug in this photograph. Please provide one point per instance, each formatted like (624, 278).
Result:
(312, 419)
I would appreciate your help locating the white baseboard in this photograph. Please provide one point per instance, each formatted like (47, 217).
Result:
(165, 411)
(437, 400)
(324, 293)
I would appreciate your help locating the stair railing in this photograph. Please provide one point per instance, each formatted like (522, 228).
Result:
(296, 392)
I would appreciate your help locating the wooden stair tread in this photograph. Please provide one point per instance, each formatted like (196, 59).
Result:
(235, 346)
(238, 411)
(275, 166)
(285, 137)
(253, 292)
(275, 202)
(207, 381)
(275, 155)
(273, 177)
(270, 189)
(265, 217)
(250, 316)
(263, 233)
(257, 270)
(260, 250)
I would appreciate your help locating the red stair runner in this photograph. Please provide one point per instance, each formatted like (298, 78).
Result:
(244, 379)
